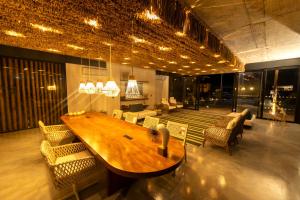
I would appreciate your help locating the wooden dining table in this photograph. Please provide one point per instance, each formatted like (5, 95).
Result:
(127, 150)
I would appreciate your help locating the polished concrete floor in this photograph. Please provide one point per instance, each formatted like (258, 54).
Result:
(264, 165)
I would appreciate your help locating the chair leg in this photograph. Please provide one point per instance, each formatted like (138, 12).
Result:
(228, 149)
(75, 192)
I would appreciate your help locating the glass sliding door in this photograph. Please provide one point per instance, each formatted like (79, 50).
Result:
(249, 90)
(281, 93)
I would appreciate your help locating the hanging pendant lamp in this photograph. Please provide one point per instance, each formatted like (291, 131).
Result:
(111, 89)
(99, 84)
(90, 87)
(132, 90)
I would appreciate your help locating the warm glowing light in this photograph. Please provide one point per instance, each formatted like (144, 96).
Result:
(160, 59)
(222, 61)
(213, 69)
(251, 88)
(243, 88)
(203, 71)
(231, 65)
(75, 47)
(235, 69)
(202, 47)
(172, 62)
(197, 69)
(82, 88)
(192, 62)
(45, 28)
(208, 65)
(111, 89)
(139, 40)
(151, 63)
(184, 57)
(180, 34)
(125, 63)
(149, 15)
(132, 90)
(99, 87)
(164, 66)
(146, 67)
(217, 55)
(99, 58)
(127, 58)
(14, 33)
(179, 69)
(92, 22)
(53, 50)
(174, 72)
(135, 51)
(107, 43)
(162, 48)
(90, 88)
(186, 66)
(51, 87)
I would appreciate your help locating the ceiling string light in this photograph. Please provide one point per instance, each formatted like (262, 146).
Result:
(132, 90)
(111, 89)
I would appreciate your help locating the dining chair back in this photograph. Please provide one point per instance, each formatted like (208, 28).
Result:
(117, 114)
(151, 122)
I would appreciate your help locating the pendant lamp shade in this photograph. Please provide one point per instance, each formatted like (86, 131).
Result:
(90, 88)
(132, 90)
(82, 88)
(111, 89)
(99, 87)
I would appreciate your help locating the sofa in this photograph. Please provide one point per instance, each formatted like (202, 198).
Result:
(248, 118)
(138, 109)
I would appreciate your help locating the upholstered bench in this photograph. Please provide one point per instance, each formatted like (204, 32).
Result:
(138, 109)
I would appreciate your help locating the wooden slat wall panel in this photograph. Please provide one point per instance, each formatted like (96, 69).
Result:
(24, 94)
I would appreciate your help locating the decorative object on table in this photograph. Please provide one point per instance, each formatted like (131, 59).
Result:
(153, 133)
(163, 149)
(111, 89)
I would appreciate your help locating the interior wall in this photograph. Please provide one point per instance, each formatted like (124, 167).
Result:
(162, 88)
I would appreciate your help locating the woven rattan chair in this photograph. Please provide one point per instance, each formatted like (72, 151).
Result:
(222, 136)
(178, 131)
(150, 122)
(173, 101)
(56, 134)
(166, 105)
(117, 114)
(131, 118)
(68, 164)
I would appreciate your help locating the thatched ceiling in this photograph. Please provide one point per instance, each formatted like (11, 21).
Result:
(65, 29)
(255, 30)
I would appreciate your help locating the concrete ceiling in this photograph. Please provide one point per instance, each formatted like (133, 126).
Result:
(254, 30)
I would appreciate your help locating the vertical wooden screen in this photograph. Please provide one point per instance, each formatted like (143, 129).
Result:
(30, 91)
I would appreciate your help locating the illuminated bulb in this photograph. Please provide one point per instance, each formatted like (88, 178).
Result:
(75, 47)
(53, 50)
(231, 65)
(243, 88)
(135, 51)
(111, 89)
(235, 69)
(160, 59)
(99, 58)
(146, 67)
(251, 88)
(222, 61)
(162, 48)
(127, 58)
(217, 55)
(172, 62)
(92, 22)
(107, 43)
(197, 69)
(45, 28)
(180, 34)
(164, 66)
(149, 15)
(203, 71)
(202, 47)
(192, 62)
(138, 40)
(213, 69)
(179, 69)
(124, 63)
(208, 65)
(14, 33)
(151, 63)
(174, 72)
(90, 88)
(186, 66)
(184, 57)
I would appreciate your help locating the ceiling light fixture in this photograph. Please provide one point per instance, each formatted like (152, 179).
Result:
(151, 63)
(160, 59)
(162, 48)
(135, 51)
(172, 62)
(125, 63)
(203, 71)
(222, 61)
(75, 47)
(179, 69)
(45, 28)
(217, 55)
(186, 66)
(180, 34)
(184, 57)
(92, 22)
(197, 69)
(213, 69)
(139, 40)
(14, 33)
(146, 67)
(149, 16)
(208, 65)
(53, 50)
(127, 58)
(202, 47)
(192, 62)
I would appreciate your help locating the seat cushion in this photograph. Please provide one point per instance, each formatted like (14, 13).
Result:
(72, 157)
(142, 114)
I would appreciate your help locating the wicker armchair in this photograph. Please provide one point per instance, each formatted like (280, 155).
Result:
(178, 131)
(222, 136)
(68, 164)
(173, 101)
(131, 118)
(56, 134)
(117, 114)
(166, 105)
(150, 122)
